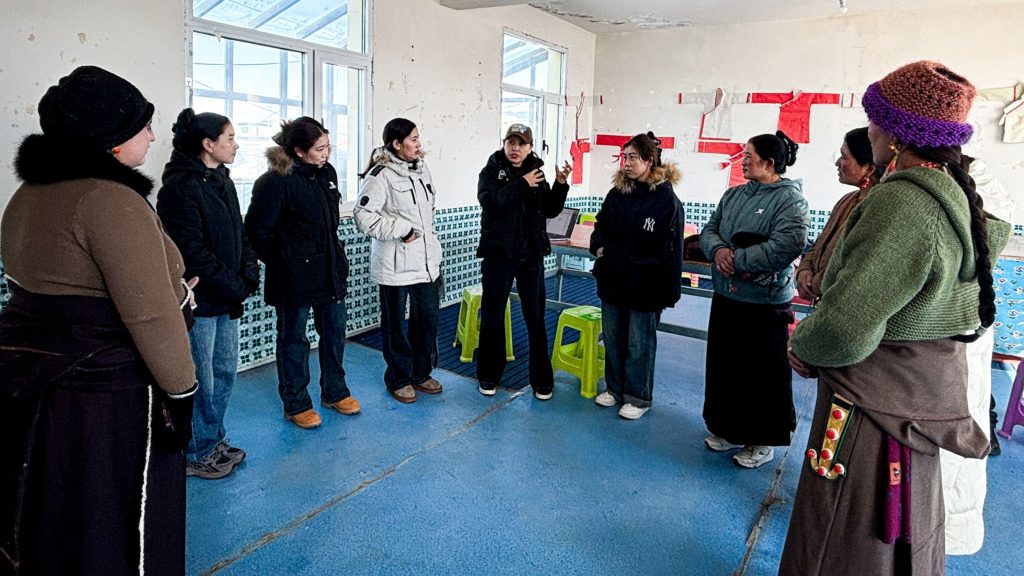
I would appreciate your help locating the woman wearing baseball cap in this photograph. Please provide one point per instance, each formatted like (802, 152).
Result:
(908, 286)
(516, 200)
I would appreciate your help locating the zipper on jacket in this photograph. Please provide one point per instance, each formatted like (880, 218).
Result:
(426, 247)
(413, 182)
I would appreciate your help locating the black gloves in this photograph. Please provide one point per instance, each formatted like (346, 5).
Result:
(172, 419)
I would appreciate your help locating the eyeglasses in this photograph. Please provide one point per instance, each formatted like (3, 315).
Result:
(629, 158)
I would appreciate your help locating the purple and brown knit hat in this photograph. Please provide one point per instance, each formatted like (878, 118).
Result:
(923, 104)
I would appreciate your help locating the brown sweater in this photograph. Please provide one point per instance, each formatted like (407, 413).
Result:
(92, 237)
(816, 259)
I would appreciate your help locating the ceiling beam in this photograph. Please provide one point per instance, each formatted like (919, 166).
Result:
(205, 6)
(472, 4)
(323, 21)
(271, 13)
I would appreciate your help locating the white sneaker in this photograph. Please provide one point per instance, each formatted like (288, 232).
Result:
(719, 444)
(605, 399)
(630, 412)
(754, 456)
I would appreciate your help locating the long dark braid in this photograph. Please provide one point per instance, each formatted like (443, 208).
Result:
(957, 164)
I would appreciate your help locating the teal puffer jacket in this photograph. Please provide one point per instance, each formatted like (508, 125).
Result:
(777, 214)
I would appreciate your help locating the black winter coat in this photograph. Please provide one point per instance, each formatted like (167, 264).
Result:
(292, 224)
(640, 227)
(199, 209)
(513, 221)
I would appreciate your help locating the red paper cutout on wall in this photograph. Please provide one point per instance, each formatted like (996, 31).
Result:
(795, 110)
(735, 152)
(577, 149)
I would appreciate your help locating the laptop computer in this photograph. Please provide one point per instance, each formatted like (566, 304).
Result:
(560, 227)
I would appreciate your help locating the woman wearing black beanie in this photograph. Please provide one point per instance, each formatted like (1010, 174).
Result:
(96, 397)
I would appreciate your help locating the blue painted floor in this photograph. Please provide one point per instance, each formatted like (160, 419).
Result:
(463, 484)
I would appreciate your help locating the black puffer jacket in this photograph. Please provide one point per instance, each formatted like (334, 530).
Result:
(292, 224)
(640, 227)
(199, 209)
(513, 224)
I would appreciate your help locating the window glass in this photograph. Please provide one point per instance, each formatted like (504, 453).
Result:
(334, 23)
(531, 65)
(533, 93)
(256, 87)
(342, 118)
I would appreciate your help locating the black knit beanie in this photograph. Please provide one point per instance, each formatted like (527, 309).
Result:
(94, 108)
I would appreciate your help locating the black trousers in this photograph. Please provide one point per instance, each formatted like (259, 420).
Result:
(498, 274)
(410, 358)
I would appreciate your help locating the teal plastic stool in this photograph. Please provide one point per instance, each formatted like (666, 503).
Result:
(585, 357)
(468, 329)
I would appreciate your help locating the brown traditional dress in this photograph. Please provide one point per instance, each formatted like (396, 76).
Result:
(914, 392)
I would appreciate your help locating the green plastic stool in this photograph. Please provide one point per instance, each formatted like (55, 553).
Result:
(585, 357)
(468, 330)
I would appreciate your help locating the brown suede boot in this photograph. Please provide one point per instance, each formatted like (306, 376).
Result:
(347, 406)
(307, 419)
(405, 394)
(430, 386)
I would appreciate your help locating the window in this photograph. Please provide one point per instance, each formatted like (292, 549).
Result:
(533, 92)
(259, 62)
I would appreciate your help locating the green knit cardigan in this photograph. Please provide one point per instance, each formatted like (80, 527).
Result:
(904, 270)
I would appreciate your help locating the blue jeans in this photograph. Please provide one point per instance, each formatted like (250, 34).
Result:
(409, 358)
(214, 343)
(630, 345)
(293, 355)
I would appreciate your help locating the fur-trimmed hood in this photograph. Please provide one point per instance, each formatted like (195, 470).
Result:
(42, 159)
(283, 164)
(383, 157)
(667, 172)
(280, 161)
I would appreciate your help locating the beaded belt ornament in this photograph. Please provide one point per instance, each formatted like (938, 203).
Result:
(823, 463)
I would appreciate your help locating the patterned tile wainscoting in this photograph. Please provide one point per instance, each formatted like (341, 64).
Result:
(459, 230)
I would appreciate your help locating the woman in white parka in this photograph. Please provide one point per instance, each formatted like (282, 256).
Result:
(396, 208)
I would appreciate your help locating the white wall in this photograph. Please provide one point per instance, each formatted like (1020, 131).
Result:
(43, 40)
(441, 68)
(640, 74)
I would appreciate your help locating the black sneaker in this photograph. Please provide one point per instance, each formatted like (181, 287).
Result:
(488, 388)
(994, 444)
(216, 465)
(236, 454)
(543, 394)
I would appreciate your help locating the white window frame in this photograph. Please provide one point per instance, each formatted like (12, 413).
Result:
(546, 98)
(316, 55)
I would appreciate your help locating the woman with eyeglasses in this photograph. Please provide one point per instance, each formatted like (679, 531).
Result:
(638, 242)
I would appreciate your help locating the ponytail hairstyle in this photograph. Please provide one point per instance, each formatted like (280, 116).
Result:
(648, 146)
(396, 129)
(301, 133)
(191, 129)
(958, 164)
(777, 147)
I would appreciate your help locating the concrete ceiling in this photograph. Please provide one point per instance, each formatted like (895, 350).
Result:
(608, 16)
